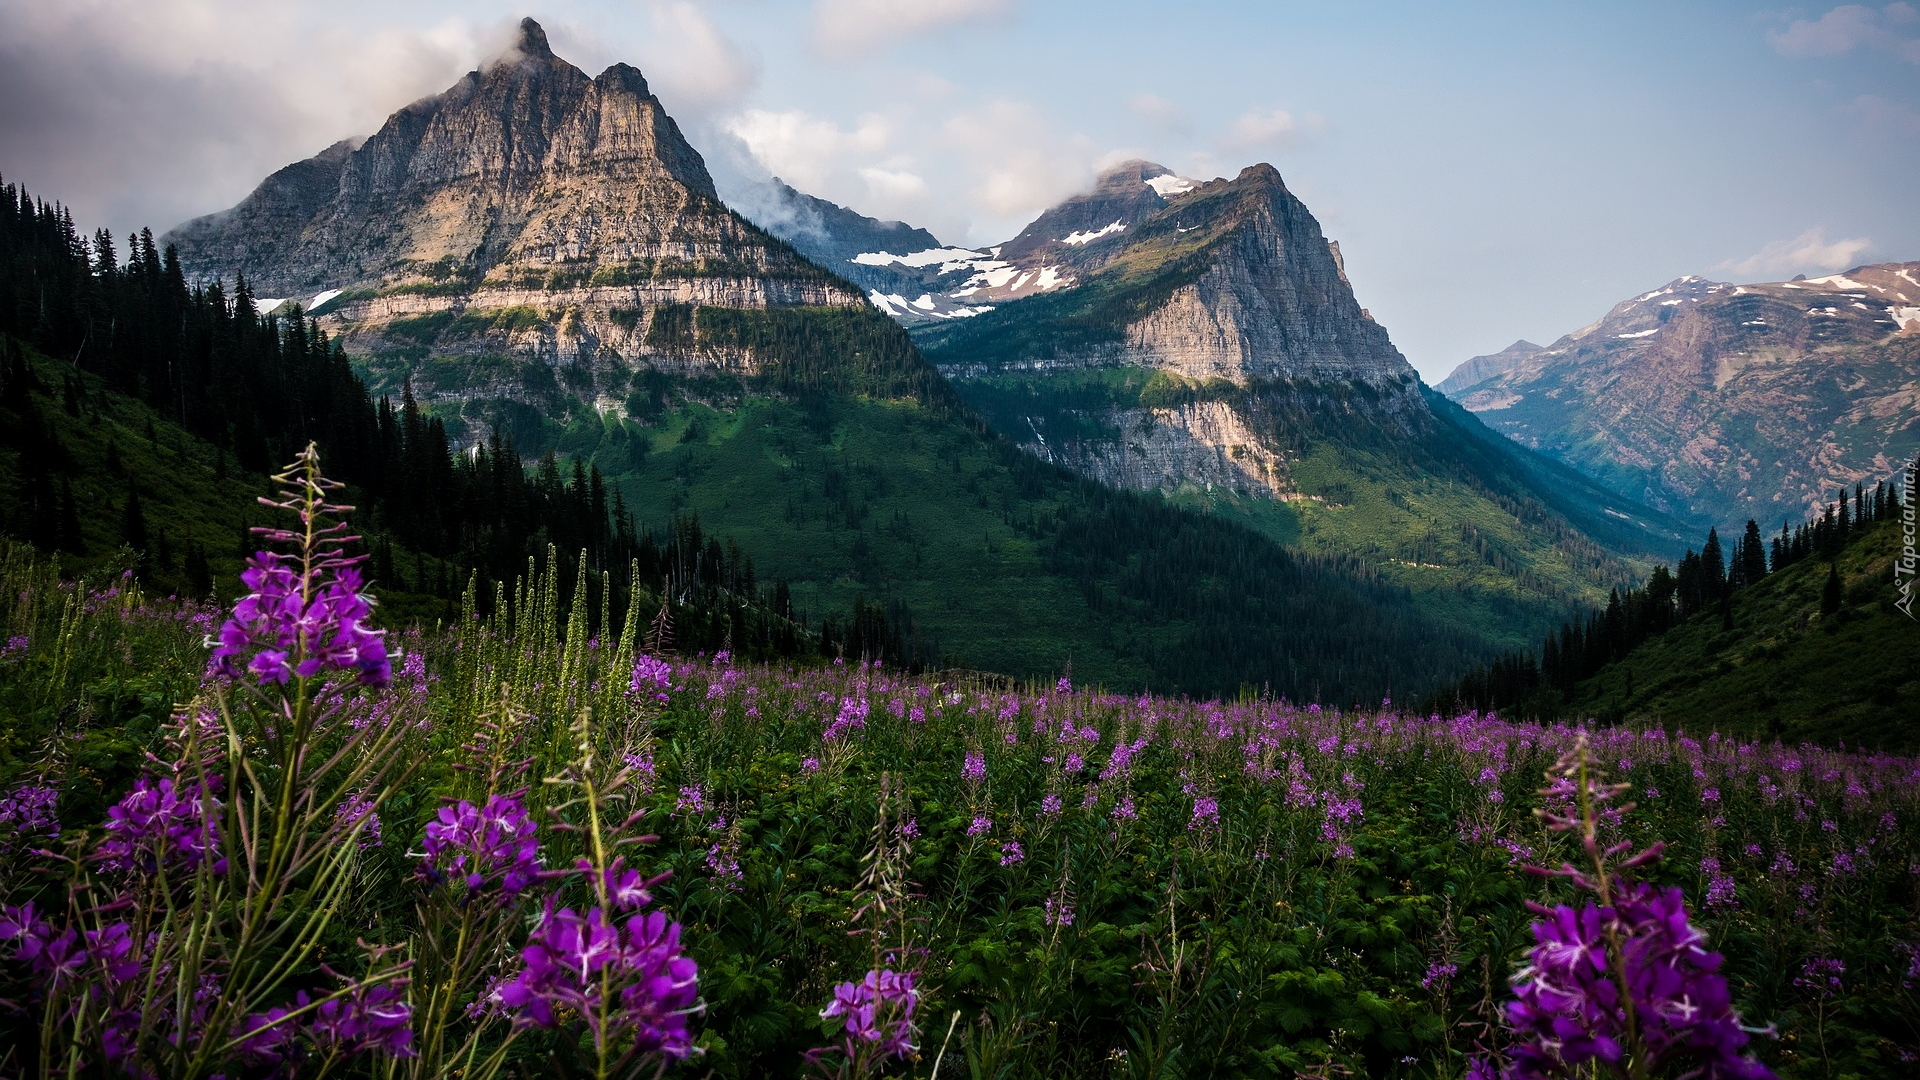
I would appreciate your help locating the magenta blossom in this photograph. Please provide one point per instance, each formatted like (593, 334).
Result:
(622, 979)
(292, 625)
(160, 823)
(495, 846)
(876, 1011)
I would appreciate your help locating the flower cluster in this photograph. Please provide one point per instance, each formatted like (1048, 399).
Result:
(626, 980)
(974, 768)
(491, 846)
(652, 676)
(1569, 1010)
(293, 624)
(162, 823)
(877, 1011)
(28, 810)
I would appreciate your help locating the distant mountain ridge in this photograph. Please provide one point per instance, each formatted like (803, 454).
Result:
(1724, 401)
(918, 281)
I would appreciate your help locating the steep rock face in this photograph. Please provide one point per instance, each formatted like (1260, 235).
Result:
(1202, 444)
(529, 211)
(1230, 283)
(1728, 401)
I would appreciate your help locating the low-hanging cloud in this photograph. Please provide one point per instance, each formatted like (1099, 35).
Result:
(1811, 250)
(851, 28)
(1852, 26)
(143, 114)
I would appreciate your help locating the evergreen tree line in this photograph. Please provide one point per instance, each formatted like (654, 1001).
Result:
(259, 387)
(1702, 582)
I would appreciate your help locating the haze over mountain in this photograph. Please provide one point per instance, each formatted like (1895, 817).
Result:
(1723, 401)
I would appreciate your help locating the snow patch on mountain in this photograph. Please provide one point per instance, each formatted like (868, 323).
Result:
(1079, 238)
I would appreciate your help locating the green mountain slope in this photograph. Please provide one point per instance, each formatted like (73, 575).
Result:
(1784, 670)
(1221, 360)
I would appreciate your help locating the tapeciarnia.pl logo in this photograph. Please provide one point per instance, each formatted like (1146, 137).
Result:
(1908, 562)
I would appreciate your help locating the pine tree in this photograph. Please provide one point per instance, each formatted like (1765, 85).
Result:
(1830, 594)
(133, 522)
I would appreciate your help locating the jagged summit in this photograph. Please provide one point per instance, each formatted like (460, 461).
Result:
(531, 42)
(526, 161)
(527, 212)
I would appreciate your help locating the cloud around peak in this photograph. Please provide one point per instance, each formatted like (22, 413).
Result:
(1811, 250)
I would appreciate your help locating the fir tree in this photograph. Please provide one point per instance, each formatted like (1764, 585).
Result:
(1830, 593)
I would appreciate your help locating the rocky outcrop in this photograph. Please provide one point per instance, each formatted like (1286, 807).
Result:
(1201, 445)
(527, 195)
(1728, 401)
(1233, 299)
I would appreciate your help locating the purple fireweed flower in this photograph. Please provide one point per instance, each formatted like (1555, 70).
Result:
(16, 648)
(1050, 806)
(851, 718)
(1059, 911)
(1821, 975)
(267, 1038)
(292, 625)
(367, 1019)
(359, 810)
(810, 765)
(1568, 1009)
(1010, 853)
(877, 1010)
(485, 847)
(693, 800)
(29, 810)
(622, 979)
(974, 768)
(1206, 813)
(651, 675)
(724, 866)
(160, 823)
(1439, 974)
(1123, 810)
(981, 824)
(1720, 888)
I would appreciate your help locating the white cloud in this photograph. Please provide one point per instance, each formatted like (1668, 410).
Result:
(805, 150)
(1018, 164)
(1258, 129)
(197, 100)
(1848, 27)
(894, 185)
(851, 28)
(1156, 108)
(689, 62)
(1811, 250)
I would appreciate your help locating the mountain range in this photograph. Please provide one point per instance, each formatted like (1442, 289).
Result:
(541, 253)
(1718, 401)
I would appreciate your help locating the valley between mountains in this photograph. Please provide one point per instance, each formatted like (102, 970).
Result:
(1155, 394)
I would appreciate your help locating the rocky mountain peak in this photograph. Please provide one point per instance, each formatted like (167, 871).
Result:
(530, 44)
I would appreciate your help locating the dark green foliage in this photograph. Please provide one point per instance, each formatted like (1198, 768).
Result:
(1813, 649)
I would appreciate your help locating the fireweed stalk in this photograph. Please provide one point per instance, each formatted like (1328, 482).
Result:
(613, 968)
(205, 901)
(1624, 986)
(875, 1014)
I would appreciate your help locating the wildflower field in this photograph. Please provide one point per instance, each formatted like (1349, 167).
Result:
(266, 840)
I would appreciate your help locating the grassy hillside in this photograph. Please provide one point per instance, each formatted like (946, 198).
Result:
(1011, 565)
(1784, 670)
(1486, 535)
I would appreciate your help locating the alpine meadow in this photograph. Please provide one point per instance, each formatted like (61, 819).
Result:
(548, 586)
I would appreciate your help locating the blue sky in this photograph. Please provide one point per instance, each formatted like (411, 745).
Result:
(1492, 171)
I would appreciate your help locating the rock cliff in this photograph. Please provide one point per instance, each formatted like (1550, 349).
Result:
(528, 212)
(1726, 401)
